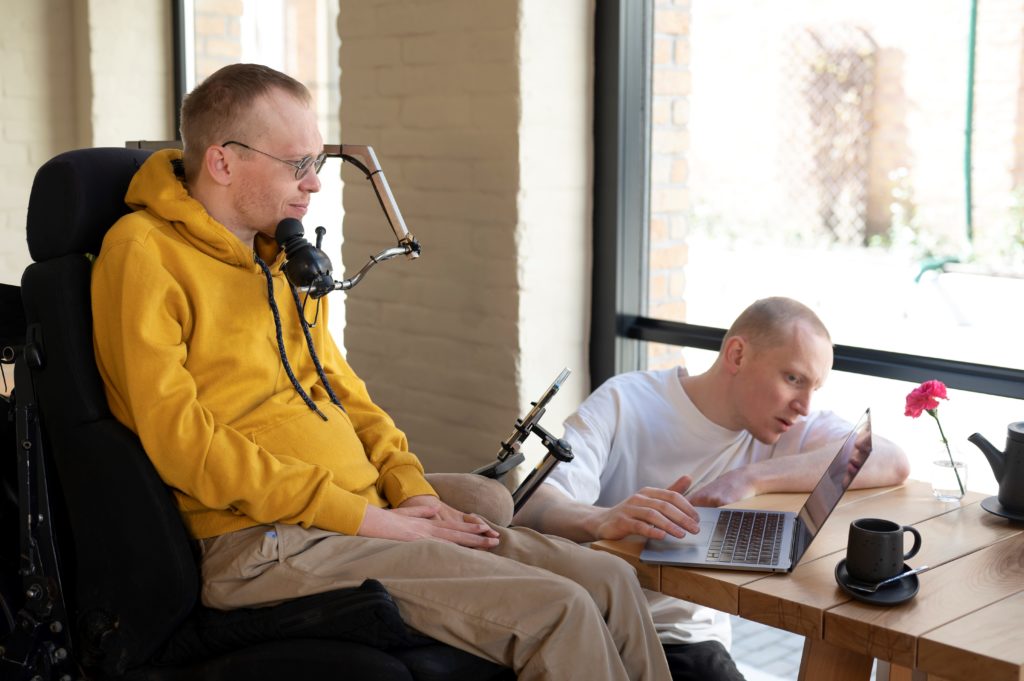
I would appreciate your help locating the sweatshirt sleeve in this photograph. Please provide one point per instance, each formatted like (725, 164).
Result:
(140, 316)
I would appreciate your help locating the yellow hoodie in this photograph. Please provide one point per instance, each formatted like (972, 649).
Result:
(187, 348)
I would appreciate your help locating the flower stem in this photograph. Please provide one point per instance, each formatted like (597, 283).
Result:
(934, 415)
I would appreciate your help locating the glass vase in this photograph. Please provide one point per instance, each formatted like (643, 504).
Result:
(944, 475)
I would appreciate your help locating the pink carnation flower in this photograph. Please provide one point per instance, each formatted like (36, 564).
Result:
(925, 397)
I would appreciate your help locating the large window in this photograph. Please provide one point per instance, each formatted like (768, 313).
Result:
(865, 158)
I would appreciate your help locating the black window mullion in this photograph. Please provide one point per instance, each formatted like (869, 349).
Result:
(622, 67)
(980, 378)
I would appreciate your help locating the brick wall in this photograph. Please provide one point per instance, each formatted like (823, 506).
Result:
(670, 198)
(218, 35)
(130, 72)
(37, 117)
(72, 76)
(480, 115)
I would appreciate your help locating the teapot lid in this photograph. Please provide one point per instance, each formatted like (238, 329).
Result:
(1015, 432)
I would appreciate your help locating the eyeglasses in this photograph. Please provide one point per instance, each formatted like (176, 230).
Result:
(301, 166)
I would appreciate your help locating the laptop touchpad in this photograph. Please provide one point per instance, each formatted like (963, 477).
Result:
(707, 528)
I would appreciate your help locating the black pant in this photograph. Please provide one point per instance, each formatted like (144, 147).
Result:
(704, 661)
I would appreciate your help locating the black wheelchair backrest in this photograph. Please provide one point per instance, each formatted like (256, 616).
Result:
(136, 575)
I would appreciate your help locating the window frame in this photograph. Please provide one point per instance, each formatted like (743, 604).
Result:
(619, 323)
(181, 21)
(622, 58)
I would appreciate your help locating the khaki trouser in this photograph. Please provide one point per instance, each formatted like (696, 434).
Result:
(546, 607)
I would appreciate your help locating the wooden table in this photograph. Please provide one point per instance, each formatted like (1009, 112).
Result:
(966, 622)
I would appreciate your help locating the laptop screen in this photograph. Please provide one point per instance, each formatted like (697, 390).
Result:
(833, 484)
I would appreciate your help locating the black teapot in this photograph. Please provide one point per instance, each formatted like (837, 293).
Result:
(1008, 466)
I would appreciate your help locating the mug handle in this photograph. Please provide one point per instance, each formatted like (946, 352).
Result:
(917, 542)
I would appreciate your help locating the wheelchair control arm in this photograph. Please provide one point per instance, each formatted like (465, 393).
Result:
(308, 267)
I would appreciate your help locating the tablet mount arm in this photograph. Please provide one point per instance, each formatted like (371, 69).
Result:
(510, 456)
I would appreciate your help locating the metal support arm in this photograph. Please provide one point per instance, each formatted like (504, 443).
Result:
(510, 456)
(363, 157)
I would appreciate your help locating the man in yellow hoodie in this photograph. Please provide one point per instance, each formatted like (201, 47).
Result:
(292, 478)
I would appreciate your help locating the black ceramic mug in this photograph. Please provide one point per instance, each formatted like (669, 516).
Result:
(874, 550)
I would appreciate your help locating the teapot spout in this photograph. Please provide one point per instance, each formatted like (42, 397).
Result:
(995, 457)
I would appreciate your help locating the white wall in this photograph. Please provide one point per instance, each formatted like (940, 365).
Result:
(555, 188)
(72, 75)
(479, 113)
(130, 71)
(37, 116)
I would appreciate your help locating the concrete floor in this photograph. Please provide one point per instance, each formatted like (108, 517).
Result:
(763, 653)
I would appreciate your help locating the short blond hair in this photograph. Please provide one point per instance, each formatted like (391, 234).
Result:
(766, 323)
(218, 108)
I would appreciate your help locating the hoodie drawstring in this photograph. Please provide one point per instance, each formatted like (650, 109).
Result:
(312, 350)
(309, 344)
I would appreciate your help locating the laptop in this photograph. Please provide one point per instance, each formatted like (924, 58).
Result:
(769, 541)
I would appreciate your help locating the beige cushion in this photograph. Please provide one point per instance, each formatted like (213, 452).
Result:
(474, 494)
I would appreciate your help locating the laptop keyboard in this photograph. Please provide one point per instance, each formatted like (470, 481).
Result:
(752, 537)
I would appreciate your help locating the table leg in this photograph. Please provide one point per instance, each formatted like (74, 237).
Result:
(894, 672)
(823, 660)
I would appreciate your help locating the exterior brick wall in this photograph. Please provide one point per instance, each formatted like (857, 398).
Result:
(218, 35)
(670, 198)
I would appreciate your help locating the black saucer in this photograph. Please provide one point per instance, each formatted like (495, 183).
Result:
(890, 594)
(992, 505)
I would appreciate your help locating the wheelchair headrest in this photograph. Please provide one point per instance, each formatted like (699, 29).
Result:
(76, 197)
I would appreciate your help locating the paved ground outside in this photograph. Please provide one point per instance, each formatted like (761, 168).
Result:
(764, 653)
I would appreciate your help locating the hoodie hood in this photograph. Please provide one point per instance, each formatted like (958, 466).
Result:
(159, 188)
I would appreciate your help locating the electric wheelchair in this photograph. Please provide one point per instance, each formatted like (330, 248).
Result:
(107, 583)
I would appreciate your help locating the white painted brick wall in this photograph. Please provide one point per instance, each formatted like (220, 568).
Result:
(75, 73)
(37, 116)
(131, 71)
(479, 112)
(554, 236)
